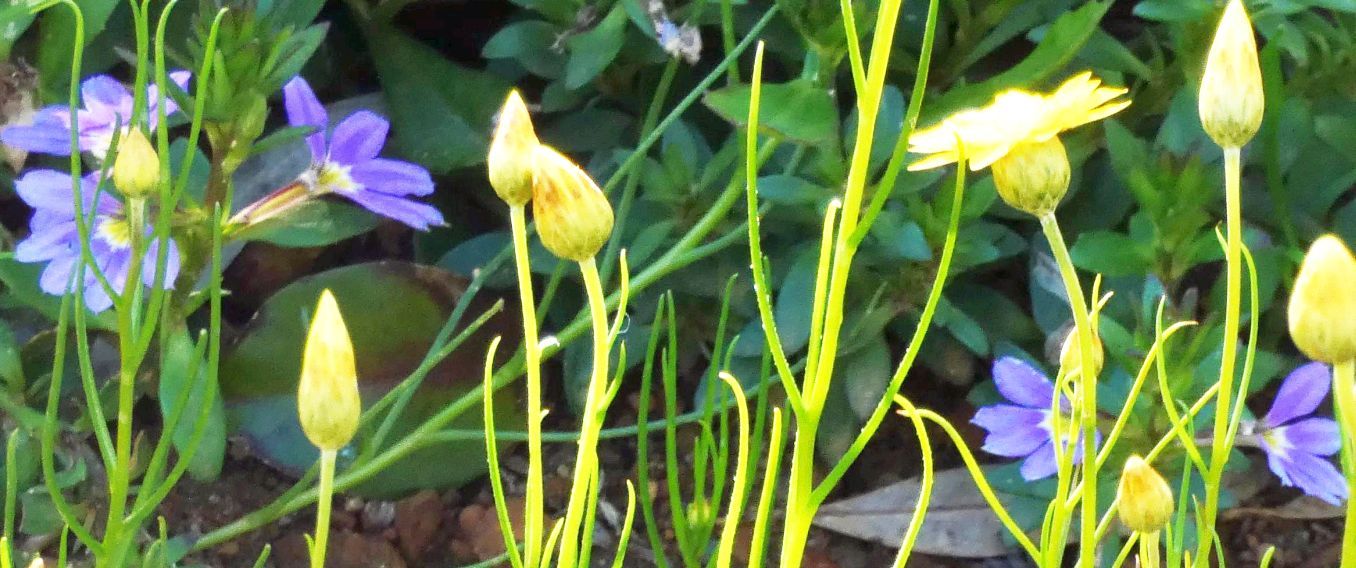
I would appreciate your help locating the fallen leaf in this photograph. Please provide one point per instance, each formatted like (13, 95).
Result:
(958, 524)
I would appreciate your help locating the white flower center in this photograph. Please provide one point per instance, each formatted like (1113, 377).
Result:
(329, 177)
(115, 231)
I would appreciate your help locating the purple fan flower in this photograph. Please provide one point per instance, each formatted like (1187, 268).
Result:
(1297, 444)
(345, 161)
(107, 104)
(1024, 429)
(54, 238)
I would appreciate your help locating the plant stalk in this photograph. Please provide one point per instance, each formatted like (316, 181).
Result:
(532, 499)
(1219, 453)
(322, 508)
(1087, 385)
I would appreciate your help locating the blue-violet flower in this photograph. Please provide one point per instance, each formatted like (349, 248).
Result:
(345, 161)
(1024, 429)
(1296, 444)
(54, 238)
(108, 104)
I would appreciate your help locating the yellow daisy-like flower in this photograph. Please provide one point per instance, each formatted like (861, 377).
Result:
(1015, 117)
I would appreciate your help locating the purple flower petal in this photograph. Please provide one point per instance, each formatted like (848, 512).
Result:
(417, 215)
(1318, 436)
(1021, 383)
(1040, 464)
(1014, 431)
(57, 276)
(52, 242)
(50, 191)
(304, 109)
(171, 263)
(1311, 474)
(50, 133)
(105, 97)
(358, 138)
(179, 78)
(1300, 394)
(96, 297)
(392, 177)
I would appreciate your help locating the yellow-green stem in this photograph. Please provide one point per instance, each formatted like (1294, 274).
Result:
(1148, 550)
(119, 476)
(1087, 386)
(322, 508)
(1344, 398)
(1219, 453)
(586, 456)
(532, 498)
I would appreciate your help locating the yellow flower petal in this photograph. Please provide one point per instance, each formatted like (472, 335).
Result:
(1015, 117)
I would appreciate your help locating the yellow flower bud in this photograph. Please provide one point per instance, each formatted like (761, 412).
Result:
(1070, 354)
(1231, 99)
(1324, 301)
(1145, 497)
(327, 397)
(574, 218)
(1033, 176)
(136, 168)
(511, 152)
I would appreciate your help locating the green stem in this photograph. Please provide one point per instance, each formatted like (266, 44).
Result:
(322, 508)
(1148, 550)
(1087, 387)
(1219, 453)
(532, 499)
(1344, 399)
(586, 456)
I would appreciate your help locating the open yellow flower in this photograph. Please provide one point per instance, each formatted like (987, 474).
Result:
(1013, 118)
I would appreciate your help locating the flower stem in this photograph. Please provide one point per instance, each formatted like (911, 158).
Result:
(586, 457)
(1148, 550)
(322, 508)
(1344, 383)
(1219, 453)
(532, 499)
(1087, 386)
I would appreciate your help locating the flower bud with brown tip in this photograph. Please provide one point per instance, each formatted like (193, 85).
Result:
(1323, 303)
(136, 168)
(511, 152)
(1145, 497)
(1231, 100)
(574, 218)
(327, 396)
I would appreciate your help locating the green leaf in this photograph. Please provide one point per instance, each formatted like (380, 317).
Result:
(1111, 254)
(14, 20)
(57, 38)
(393, 311)
(441, 112)
(790, 190)
(296, 13)
(1174, 10)
(790, 311)
(798, 110)
(181, 369)
(296, 50)
(529, 43)
(866, 374)
(592, 51)
(1059, 44)
(317, 222)
(21, 283)
(39, 516)
(11, 364)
